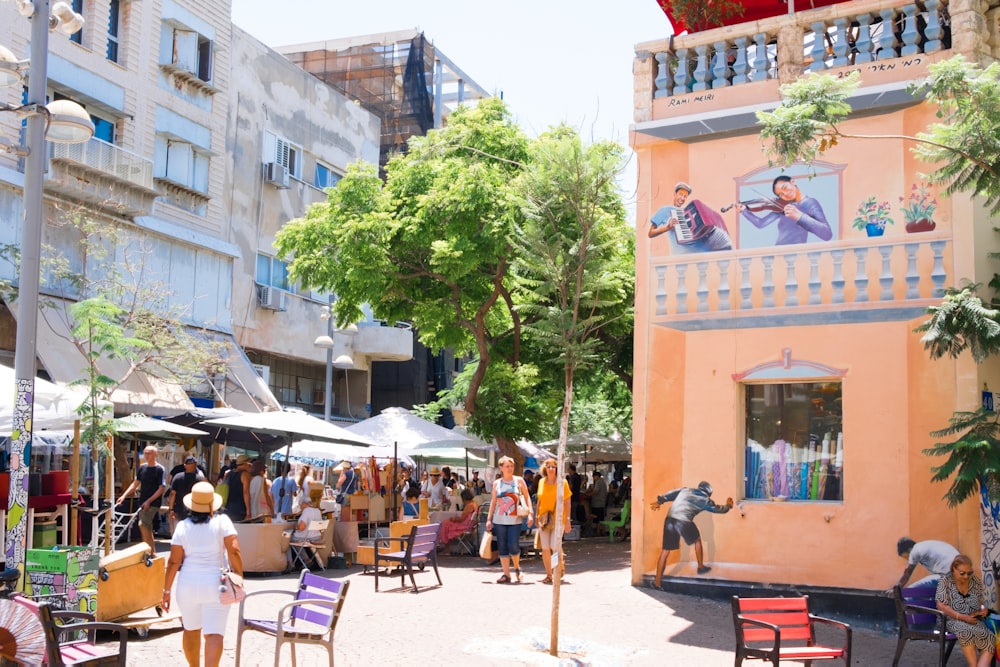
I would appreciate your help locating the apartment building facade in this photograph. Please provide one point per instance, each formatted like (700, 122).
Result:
(206, 143)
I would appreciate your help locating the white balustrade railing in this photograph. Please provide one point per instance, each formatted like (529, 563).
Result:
(840, 35)
(817, 278)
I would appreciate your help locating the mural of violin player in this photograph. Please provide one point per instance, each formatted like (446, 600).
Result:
(693, 225)
(794, 216)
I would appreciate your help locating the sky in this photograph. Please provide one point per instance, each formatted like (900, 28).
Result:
(553, 60)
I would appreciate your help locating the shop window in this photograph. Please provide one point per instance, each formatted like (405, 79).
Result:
(795, 442)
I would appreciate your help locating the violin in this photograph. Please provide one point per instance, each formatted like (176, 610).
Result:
(758, 205)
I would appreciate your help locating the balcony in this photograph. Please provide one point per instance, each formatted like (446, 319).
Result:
(383, 343)
(725, 74)
(104, 175)
(840, 281)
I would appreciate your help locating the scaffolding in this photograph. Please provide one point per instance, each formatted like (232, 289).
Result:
(400, 77)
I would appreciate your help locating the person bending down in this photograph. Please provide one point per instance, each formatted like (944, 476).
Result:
(687, 504)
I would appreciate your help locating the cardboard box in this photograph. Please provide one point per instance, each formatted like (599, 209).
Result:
(74, 561)
(44, 535)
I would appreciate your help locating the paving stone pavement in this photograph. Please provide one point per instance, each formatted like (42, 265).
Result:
(471, 620)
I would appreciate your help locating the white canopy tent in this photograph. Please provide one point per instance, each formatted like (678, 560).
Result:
(55, 404)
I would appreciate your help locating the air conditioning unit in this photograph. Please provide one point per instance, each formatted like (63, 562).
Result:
(270, 298)
(276, 174)
(264, 372)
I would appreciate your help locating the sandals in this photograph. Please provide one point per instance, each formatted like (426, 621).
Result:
(547, 580)
(503, 580)
(517, 573)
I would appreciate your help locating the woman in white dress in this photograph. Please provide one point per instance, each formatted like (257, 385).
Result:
(202, 543)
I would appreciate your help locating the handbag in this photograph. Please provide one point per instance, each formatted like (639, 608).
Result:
(545, 521)
(231, 588)
(486, 546)
(522, 508)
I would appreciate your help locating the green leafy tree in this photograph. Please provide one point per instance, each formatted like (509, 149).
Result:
(431, 245)
(962, 146)
(120, 318)
(572, 268)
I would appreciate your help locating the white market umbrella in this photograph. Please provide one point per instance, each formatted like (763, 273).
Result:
(595, 448)
(450, 456)
(291, 425)
(55, 405)
(399, 426)
(316, 452)
(405, 431)
(140, 427)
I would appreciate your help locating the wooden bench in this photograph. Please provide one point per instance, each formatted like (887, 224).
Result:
(419, 548)
(79, 651)
(765, 625)
(919, 619)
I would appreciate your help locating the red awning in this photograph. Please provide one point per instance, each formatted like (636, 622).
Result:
(753, 10)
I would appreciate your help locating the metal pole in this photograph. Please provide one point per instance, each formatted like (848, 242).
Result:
(328, 391)
(27, 291)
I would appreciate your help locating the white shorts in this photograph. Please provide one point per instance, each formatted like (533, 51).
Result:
(198, 601)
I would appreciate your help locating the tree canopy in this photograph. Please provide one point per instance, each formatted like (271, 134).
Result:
(435, 244)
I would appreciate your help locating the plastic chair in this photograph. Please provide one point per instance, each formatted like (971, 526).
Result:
(621, 522)
(306, 552)
(310, 618)
(919, 619)
(468, 539)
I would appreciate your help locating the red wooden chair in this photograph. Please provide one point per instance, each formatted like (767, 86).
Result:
(765, 626)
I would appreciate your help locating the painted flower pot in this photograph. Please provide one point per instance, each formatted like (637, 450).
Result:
(921, 225)
(874, 230)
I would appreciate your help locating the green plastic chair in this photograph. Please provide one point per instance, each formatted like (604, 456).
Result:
(620, 522)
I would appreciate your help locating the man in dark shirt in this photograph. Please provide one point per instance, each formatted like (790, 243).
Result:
(679, 522)
(180, 486)
(238, 479)
(575, 484)
(150, 481)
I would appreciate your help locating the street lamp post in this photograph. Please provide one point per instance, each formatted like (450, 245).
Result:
(327, 342)
(343, 360)
(71, 128)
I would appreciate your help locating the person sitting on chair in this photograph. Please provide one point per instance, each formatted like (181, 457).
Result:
(301, 533)
(456, 525)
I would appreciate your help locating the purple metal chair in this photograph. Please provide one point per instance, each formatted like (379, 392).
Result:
(310, 618)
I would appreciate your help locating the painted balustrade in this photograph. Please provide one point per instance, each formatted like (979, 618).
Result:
(841, 35)
(878, 278)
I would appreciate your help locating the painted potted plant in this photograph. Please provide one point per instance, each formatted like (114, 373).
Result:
(872, 216)
(918, 209)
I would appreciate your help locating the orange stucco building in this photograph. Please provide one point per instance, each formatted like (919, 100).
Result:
(775, 353)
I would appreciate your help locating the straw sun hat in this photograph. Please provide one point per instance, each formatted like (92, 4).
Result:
(203, 498)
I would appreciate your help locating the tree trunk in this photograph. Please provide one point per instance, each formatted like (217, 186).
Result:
(509, 448)
(557, 531)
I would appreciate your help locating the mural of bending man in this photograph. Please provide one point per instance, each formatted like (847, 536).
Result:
(687, 504)
(800, 216)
